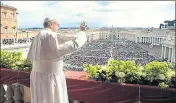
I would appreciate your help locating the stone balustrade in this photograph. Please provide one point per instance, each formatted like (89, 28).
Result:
(17, 93)
(12, 93)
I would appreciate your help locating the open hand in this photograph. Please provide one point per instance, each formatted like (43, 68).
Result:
(83, 26)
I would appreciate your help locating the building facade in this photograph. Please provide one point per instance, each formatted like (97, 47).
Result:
(168, 51)
(9, 24)
(168, 25)
(154, 37)
(116, 34)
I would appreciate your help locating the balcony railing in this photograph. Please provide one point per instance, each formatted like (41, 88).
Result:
(15, 89)
(14, 92)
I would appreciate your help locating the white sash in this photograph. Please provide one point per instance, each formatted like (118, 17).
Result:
(47, 67)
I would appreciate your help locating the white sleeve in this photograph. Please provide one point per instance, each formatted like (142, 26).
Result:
(81, 38)
(49, 48)
(64, 38)
(69, 46)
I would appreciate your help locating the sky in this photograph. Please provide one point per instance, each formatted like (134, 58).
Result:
(95, 13)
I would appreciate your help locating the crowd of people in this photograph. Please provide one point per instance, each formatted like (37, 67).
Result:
(99, 51)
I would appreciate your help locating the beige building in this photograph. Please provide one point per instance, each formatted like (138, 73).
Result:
(9, 24)
(115, 34)
(168, 50)
(154, 37)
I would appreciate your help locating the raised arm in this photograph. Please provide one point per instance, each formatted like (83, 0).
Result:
(49, 48)
(64, 38)
(69, 46)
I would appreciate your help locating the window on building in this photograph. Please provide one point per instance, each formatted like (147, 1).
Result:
(13, 14)
(13, 30)
(5, 30)
(5, 15)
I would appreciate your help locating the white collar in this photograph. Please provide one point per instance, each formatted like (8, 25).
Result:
(48, 29)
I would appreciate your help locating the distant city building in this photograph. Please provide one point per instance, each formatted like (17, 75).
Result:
(168, 51)
(116, 34)
(154, 36)
(168, 25)
(9, 24)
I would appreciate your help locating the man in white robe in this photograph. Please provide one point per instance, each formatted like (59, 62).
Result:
(47, 79)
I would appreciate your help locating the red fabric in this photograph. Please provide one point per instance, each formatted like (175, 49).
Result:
(96, 92)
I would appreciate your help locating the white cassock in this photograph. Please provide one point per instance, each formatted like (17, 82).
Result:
(47, 78)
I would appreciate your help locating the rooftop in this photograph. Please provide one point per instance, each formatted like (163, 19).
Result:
(7, 6)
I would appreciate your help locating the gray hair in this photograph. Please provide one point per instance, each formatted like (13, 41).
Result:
(49, 21)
